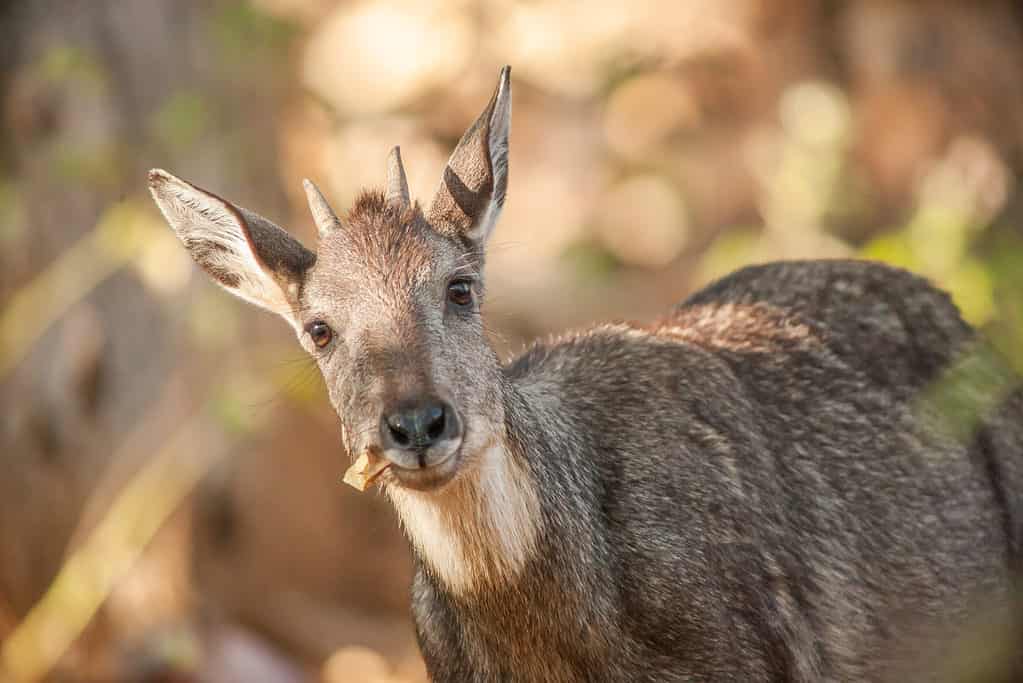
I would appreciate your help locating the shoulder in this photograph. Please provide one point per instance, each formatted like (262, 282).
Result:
(840, 294)
(863, 311)
(789, 280)
(599, 345)
(626, 360)
(693, 331)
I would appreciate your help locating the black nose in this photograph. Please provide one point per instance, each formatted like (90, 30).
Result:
(417, 425)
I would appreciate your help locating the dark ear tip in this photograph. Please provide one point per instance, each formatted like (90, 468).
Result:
(158, 176)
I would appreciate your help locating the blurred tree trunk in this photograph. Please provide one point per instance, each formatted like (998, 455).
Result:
(93, 93)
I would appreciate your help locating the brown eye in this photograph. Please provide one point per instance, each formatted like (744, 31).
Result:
(460, 292)
(320, 333)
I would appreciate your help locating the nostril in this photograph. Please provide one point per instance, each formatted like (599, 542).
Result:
(398, 432)
(437, 420)
(418, 425)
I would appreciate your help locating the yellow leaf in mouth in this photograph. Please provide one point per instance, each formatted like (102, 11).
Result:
(366, 469)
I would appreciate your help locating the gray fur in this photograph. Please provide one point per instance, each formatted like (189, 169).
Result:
(749, 500)
(753, 488)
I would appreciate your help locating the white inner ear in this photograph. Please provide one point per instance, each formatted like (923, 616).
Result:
(212, 232)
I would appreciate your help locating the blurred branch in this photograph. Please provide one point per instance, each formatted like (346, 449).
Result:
(116, 240)
(92, 572)
(161, 421)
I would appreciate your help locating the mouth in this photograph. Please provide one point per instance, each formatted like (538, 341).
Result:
(427, 477)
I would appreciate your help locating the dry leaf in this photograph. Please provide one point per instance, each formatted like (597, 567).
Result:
(366, 469)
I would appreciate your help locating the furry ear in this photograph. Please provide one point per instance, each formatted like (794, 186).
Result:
(471, 194)
(245, 253)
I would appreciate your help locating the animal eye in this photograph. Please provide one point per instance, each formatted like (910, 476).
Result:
(460, 292)
(320, 333)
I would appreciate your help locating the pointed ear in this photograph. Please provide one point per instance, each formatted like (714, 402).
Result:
(471, 194)
(245, 253)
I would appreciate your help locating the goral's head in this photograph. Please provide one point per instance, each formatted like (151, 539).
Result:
(388, 305)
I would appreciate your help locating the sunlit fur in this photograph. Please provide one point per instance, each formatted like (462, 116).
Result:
(483, 529)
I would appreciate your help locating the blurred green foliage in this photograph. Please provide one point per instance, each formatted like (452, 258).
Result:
(98, 167)
(589, 261)
(68, 63)
(12, 209)
(182, 120)
(243, 33)
(969, 392)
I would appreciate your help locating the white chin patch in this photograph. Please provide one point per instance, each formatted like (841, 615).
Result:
(480, 531)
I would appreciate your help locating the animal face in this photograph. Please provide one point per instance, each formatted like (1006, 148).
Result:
(388, 305)
(391, 312)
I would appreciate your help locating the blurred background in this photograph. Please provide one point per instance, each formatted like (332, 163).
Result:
(170, 497)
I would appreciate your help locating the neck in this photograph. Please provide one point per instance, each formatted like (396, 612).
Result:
(482, 529)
